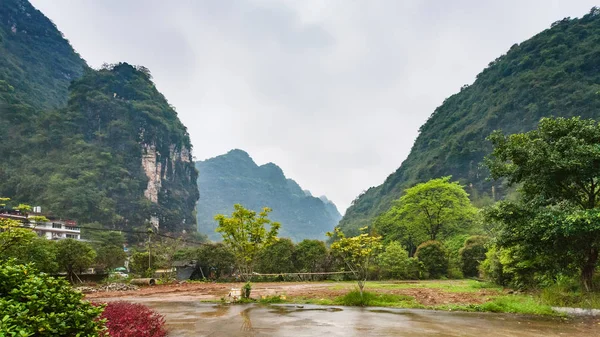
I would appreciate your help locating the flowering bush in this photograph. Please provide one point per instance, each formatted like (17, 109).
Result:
(125, 319)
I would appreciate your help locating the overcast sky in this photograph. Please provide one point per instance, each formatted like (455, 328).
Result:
(332, 91)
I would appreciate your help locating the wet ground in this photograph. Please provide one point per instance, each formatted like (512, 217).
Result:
(193, 318)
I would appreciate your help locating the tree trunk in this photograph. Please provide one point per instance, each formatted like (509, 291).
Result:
(361, 286)
(587, 271)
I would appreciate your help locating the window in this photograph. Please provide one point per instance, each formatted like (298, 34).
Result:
(56, 225)
(72, 236)
(72, 228)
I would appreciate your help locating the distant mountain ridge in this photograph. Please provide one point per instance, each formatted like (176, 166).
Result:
(235, 178)
(555, 73)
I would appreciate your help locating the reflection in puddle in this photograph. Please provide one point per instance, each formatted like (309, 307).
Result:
(193, 319)
(247, 322)
(221, 310)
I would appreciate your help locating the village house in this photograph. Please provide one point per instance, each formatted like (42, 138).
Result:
(54, 229)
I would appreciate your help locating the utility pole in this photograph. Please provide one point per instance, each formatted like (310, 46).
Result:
(149, 252)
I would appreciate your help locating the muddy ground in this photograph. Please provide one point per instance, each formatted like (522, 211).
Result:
(311, 290)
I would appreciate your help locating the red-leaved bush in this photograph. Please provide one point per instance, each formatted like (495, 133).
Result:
(125, 319)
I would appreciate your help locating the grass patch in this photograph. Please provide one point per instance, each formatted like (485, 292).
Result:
(455, 286)
(506, 304)
(272, 299)
(560, 296)
(354, 298)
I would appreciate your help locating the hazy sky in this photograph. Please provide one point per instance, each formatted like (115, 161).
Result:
(332, 91)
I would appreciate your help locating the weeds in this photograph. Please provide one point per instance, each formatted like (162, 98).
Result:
(505, 304)
(354, 298)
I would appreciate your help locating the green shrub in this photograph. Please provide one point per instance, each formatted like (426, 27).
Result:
(472, 254)
(355, 299)
(414, 269)
(394, 261)
(433, 255)
(35, 304)
(567, 292)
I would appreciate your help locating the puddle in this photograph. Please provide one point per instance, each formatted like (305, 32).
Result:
(192, 318)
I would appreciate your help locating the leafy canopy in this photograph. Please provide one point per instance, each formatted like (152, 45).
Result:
(74, 256)
(357, 252)
(434, 209)
(558, 213)
(246, 235)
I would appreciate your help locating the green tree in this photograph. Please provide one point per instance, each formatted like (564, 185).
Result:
(434, 257)
(310, 256)
(38, 251)
(109, 249)
(74, 256)
(394, 261)
(357, 253)
(277, 258)
(392, 227)
(215, 258)
(557, 215)
(12, 232)
(472, 254)
(141, 264)
(439, 208)
(246, 235)
(35, 304)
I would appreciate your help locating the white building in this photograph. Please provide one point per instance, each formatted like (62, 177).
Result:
(57, 229)
(53, 229)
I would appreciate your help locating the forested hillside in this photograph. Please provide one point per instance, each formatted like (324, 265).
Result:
(555, 73)
(93, 145)
(235, 178)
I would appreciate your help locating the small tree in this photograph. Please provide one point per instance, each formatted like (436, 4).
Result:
(357, 253)
(434, 257)
(310, 256)
(215, 258)
(246, 235)
(109, 250)
(74, 256)
(277, 258)
(394, 261)
(472, 254)
(12, 233)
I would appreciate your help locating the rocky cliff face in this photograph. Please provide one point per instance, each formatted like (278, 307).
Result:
(93, 145)
(235, 178)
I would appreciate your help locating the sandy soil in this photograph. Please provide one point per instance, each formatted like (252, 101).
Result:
(215, 291)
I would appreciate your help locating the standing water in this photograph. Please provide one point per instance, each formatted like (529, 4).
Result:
(192, 318)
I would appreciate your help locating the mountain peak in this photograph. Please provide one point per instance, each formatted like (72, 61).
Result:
(223, 183)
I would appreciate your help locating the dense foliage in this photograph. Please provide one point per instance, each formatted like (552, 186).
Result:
(434, 257)
(125, 319)
(234, 178)
(555, 73)
(472, 254)
(74, 256)
(436, 209)
(556, 215)
(35, 304)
